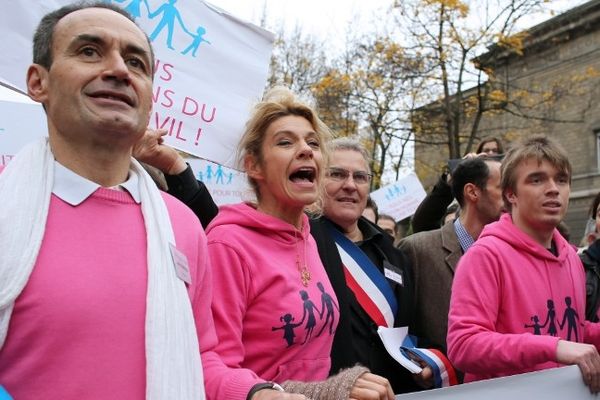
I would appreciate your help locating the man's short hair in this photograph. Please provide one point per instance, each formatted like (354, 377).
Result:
(44, 34)
(386, 216)
(538, 147)
(472, 170)
(373, 206)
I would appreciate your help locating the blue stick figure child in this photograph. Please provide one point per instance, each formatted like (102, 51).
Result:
(288, 328)
(198, 38)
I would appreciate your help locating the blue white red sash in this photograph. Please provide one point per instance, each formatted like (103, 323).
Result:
(444, 374)
(369, 285)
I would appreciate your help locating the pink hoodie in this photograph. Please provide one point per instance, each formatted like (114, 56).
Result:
(269, 324)
(512, 300)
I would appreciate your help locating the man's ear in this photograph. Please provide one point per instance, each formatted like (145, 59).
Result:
(510, 195)
(252, 167)
(37, 83)
(471, 192)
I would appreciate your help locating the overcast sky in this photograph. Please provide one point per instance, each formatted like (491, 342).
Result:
(330, 19)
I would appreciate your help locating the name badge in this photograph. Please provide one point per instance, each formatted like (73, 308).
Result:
(391, 274)
(182, 268)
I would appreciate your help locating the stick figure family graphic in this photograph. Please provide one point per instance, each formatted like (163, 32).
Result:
(168, 14)
(570, 319)
(309, 317)
(220, 177)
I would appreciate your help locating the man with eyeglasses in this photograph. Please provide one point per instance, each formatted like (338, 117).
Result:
(348, 242)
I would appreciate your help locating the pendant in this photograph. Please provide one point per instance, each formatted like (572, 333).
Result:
(305, 276)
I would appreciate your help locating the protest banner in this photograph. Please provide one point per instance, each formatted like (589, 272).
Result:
(226, 185)
(400, 199)
(551, 384)
(21, 121)
(210, 67)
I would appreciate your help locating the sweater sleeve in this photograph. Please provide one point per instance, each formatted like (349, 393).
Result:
(474, 346)
(334, 388)
(223, 376)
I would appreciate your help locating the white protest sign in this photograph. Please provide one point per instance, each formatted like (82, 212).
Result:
(400, 199)
(20, 123)
(226, 185)
(210, 67)
(551, 384)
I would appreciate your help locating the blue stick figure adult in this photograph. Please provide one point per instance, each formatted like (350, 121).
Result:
(309, 310)
(327, 303)
(169, 14)
(209, 173)
(198, 38)
(219, 174)
(134, 8)
(288, 328)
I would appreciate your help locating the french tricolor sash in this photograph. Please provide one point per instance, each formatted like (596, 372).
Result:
(369, 285)
(444, 374)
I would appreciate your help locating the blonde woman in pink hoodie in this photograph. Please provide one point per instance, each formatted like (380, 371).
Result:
(274, 308)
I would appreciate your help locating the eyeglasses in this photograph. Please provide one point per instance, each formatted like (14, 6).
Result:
(341, 175)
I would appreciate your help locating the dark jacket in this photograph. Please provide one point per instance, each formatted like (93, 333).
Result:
(428, 215)
(193, 194)
(591, 262)
(355, 329)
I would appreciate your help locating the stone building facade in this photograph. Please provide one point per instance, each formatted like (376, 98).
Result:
(553, 88)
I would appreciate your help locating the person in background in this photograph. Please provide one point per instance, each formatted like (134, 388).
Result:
(371, 212)
(518, 296)
(490, 145)
(428, 215)
(348, 243)
(275, 310)
(590, 257)
(435, 254)
(388, 224)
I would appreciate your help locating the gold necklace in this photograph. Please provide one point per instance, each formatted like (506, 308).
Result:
(303, 269)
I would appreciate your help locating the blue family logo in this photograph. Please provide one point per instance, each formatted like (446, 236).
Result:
(393, 192)
(167, 15)
(215, 176)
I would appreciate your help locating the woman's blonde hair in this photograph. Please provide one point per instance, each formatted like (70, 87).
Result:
(279, 102)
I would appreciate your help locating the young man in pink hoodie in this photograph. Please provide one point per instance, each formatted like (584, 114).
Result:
(518, 296)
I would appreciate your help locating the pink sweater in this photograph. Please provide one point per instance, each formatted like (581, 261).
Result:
(512, 300)
(269, 324)
(77, 330)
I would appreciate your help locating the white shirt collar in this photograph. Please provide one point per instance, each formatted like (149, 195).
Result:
(74, 189)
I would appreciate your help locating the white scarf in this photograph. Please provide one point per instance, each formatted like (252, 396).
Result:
(173, 366)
